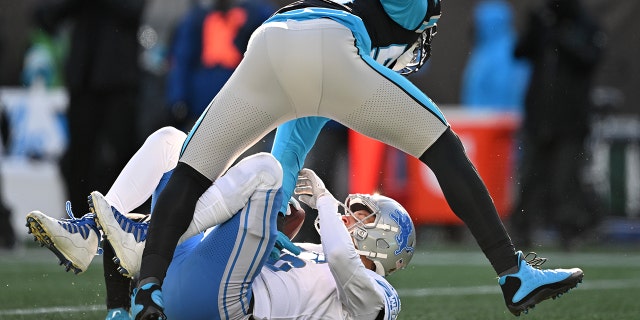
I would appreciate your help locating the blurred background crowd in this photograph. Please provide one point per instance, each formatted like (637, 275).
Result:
(543, 93)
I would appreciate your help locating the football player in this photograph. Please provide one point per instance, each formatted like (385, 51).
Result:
(75, 241)
(231, 265)
(342, 60)
(344, 275)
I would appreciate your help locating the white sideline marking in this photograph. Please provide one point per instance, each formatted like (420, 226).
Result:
(49, 310)
(423, 292)
(453, 291)
(562, 259)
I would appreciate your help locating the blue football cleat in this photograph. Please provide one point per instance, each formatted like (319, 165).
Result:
(530, 285)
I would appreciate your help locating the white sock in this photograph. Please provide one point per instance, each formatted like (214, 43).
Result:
(230, 192)
(211, 210)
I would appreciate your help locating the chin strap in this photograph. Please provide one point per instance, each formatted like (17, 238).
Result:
(379, 268)
(369, 255)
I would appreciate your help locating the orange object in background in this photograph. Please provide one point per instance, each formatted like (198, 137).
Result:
(489, 139)
(365, 163)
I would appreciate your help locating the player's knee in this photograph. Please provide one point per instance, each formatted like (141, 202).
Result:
(265, 167)
(168, 135)
(446, 150)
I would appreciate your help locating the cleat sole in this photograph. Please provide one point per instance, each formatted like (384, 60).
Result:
(41, 235)
(121, 269)
(546, 293)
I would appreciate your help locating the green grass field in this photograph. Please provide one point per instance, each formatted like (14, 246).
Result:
(444, 283)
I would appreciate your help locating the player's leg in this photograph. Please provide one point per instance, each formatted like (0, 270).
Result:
(229, 194)
(522, 283)
(386, 106)
(142, 174)
(231, 191)
(469, 199)
(136, 183)
(74, 241)
(222, 266)
(249, 106)
(117, 286)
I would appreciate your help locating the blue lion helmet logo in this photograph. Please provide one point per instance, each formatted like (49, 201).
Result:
(402, 237)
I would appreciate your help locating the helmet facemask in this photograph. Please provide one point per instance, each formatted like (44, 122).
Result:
(421, 51)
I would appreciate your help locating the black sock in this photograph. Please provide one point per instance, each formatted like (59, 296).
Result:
(117, 286)
(469, 199)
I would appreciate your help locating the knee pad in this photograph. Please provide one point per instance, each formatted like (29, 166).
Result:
(261, 170)
(169, 135)
(232, 190)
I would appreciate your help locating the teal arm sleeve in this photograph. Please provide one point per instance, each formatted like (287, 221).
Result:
(292, 143)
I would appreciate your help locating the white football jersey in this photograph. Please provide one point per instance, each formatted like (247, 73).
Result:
(314, 286)
(297, 287)
(303, 287)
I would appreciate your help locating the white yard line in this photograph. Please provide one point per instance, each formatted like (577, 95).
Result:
(555, 259)
(582, 260)
(445, 291)
(49, 310)
(480, 290)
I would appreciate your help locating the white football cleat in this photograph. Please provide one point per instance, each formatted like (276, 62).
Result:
(74, 241)
(126, 236)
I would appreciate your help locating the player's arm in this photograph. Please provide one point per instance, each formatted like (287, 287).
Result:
(357, 290)
(292, 143)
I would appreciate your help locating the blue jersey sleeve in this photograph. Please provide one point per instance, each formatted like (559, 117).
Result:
(292, 143)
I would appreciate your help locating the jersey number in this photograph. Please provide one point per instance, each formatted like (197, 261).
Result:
(288, 262)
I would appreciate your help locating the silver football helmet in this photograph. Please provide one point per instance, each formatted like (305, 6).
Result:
(389, 240)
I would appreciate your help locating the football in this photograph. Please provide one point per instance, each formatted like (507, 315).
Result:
(293, 222)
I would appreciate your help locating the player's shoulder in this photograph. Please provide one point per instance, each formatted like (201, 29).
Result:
(388, 294)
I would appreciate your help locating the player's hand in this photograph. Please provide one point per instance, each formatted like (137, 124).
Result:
(293, 205)
(283, 242)
(310, 187)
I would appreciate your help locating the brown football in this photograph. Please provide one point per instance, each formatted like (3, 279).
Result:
(293, 222)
